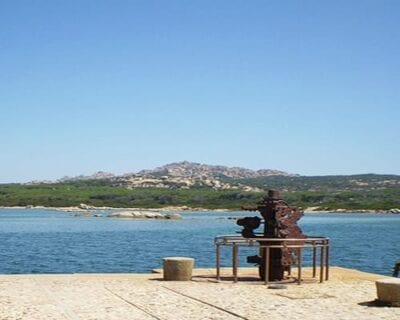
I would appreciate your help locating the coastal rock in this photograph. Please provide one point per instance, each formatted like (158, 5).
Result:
(394, 210)
(84, 215)
(153, 215)
(70, 209)
(144, 215)
(173, 216)
(84, 206)
(126, 214)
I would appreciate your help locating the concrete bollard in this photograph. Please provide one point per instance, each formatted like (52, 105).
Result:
(178, 268)
(388, 291)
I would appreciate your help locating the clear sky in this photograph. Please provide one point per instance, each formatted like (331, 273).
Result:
(308, 87)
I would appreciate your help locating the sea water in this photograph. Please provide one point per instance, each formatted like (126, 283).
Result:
(48, 241)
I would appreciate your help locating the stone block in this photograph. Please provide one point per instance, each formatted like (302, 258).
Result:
(388, 291)
(178, 268)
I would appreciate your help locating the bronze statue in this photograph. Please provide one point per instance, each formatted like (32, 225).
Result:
(280, 221)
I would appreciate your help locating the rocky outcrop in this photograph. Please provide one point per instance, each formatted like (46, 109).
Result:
(192, 169)
(186, 175)
(87, 215)
(70, 209)
(180, 175)
(85, 206)
(144, 215)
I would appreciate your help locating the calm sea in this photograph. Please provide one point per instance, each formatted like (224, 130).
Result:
(46, 241)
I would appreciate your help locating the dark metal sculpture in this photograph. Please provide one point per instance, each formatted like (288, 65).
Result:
(396, 269)
(280, 221)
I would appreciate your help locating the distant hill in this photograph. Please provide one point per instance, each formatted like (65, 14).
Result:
(182, 175)
(186, 169)
(187, 175)
(198, 185)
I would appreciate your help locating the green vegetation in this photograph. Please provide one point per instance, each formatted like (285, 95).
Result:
(99, 193)
(386, 199)
(355, 192)
(364, 182)
(364, 192)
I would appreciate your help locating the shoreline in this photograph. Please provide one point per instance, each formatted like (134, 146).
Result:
(86, 208)
(312, 210)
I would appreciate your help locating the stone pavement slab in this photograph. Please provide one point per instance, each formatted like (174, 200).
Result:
(346, 296)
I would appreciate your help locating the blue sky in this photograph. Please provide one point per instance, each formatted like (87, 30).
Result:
(308, 87)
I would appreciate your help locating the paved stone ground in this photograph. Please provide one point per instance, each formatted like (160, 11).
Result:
(347, 295)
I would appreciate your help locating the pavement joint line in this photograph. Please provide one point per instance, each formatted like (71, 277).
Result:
(133, 304)
(68, 314)
(207, 303)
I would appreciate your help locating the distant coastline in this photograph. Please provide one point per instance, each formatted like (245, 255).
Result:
(187, 186)
(316, 210)
(86, 208)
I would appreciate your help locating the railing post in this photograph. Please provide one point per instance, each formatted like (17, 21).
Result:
(235, 262)
(299, 256)
(266, 267)
(314, 260)
(218, 261)
(327, 242)
(321, 274)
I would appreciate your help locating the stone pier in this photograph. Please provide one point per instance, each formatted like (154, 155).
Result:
(347, 295)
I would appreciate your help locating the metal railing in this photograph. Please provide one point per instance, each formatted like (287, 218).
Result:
(312, 243)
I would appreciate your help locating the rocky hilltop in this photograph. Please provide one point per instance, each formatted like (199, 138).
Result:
(186, 175)
(186, 169)
(182, 175)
